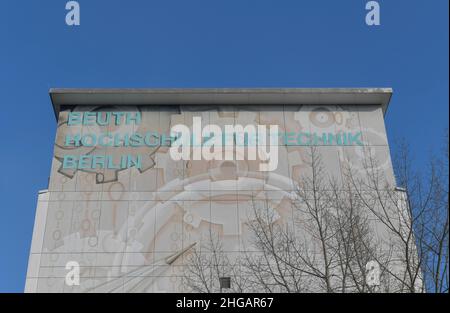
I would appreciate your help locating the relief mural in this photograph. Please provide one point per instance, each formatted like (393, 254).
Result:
(131, 228)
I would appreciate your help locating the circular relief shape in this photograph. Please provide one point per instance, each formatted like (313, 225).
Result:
(115, 191)
(322, 117)
(99, 178)
(339, 118)
(56, 235)
(189, 218)
(132, 233)
(93, 241)
(95, 214)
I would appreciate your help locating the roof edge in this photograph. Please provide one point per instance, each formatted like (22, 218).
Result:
(232, 96)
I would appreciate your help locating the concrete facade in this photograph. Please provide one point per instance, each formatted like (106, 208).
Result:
(123, 225)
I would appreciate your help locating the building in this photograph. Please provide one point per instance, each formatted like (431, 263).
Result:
(128, 209)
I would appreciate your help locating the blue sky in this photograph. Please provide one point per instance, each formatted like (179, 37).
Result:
(204, 43)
